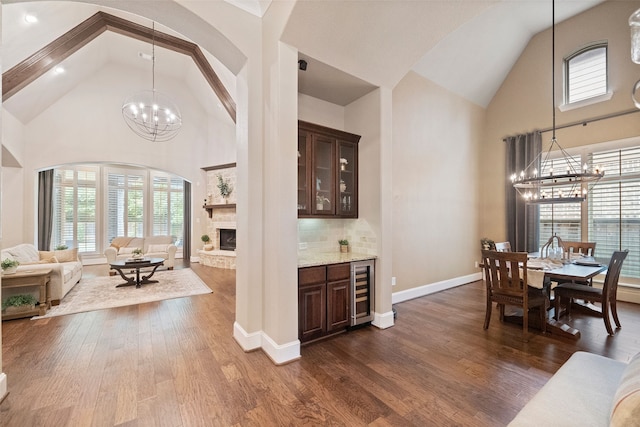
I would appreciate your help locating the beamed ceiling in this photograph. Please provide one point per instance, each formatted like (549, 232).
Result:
(44, 60)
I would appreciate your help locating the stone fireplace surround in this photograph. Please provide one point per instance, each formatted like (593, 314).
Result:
(222, 215)
(219, 258)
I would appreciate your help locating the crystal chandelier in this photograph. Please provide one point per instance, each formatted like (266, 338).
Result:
(152, 115)
(538, 183)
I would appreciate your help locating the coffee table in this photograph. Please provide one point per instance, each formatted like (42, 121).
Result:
(136, 265)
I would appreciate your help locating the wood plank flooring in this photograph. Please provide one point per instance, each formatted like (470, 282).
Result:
(175, 363)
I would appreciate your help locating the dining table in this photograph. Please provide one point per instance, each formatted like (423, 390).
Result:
(544, 273)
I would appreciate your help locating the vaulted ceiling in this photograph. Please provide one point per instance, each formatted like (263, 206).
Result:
(352, 47)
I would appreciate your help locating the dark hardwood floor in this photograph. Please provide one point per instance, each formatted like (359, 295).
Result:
(175, 363)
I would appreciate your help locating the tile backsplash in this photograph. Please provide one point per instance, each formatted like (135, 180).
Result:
(323, 234)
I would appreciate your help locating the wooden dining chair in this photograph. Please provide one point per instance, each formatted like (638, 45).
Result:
(503, 246)
(505, 279)
(585, 248)
(607, 296)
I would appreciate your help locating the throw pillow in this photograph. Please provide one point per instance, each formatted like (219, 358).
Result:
(119, 242)
(51, 260)
(626, 402)
(45, 255)
(158, 248)
(66, 255)
(24, 253)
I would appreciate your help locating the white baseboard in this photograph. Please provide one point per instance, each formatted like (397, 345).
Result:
(278, 353)
(628, 293)
(247, 341)
(432, 288)
(3, 386)
(383, 320)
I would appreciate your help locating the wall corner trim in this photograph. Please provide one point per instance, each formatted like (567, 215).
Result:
(280, 353)
(248, 341)
(383, 320)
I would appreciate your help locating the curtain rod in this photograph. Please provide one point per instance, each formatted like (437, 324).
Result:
(595, 119)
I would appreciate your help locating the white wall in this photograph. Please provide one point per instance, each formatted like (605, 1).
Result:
(436, 137)
(314, 110)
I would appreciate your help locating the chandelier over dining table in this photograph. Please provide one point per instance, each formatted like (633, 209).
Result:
(539, 183)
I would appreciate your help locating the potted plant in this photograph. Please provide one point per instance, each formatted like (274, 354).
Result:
(487, 243)
(9, 266)
(137, 253)
(224, 187)
(205, 239)
(19, 303)
(61, 247)
(344, 245)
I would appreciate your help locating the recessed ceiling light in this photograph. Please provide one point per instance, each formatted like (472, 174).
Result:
(31, 19)
(58, 70)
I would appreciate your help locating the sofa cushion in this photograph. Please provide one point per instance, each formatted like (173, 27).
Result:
(24, 253)
(580, 393)
(157, 248)
(126, 250)
(625, 410)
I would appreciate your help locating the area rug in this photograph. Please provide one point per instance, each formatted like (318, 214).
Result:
(98, 293)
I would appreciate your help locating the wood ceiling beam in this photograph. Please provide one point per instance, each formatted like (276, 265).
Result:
(28, 70)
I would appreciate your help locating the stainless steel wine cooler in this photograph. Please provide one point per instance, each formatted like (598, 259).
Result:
(362, 291)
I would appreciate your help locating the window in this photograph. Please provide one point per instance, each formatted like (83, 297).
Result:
(92, 204)
(586, 73)
(614, 207)
(125, 203)
(611, 215)
(168, 207)
(74, 208)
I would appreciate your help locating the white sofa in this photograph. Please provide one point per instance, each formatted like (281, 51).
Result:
(152, 247)
(66, 267)
(588, 390)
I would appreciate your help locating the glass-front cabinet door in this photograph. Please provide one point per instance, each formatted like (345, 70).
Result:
(348, 179)
(324, 173)
(304, 161)
(327, 172)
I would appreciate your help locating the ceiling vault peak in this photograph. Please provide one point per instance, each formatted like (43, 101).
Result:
(28, 70)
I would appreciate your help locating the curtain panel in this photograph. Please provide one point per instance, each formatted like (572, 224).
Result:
(45, 209)
(522, 219)
(186, 243)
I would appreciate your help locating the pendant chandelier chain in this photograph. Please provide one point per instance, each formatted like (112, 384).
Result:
(150, 114)
(553, 68)
(538, 183)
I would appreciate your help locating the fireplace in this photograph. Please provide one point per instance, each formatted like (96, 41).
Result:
(227, 239)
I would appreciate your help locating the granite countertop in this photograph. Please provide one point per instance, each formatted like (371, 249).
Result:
(308, 258)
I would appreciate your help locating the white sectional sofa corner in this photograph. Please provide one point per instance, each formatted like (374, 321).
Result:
(588, 390)
(66, 267)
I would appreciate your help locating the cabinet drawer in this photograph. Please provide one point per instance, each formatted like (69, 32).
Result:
(312, 275)
(338, 272)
